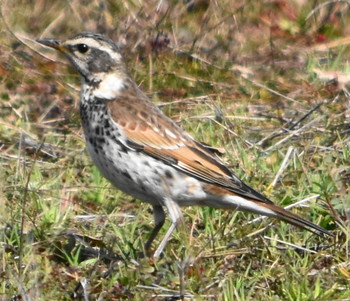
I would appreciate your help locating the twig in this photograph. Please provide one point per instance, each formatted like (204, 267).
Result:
(175, 294)
(102, 216)
(85, 286)
(318, 7)
(293, 125)
(156, 287)
(290, 244)
(209, 286)
(182, 266)
(292, 134)
(231, 117)
(268, 89)
(23, 295)
(21, 39)
(23, 210)
(283, 166)
(197, 79)
(228, 130)
(310, 112)
(53, 23)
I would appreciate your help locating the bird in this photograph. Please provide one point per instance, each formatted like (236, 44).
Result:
(144, 153)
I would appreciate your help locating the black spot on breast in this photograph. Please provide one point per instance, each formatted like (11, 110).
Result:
(98, 131)
(169, 174)
(99, 103)
(106, 124)
(126, 175)
(100, 140)
(123, 148)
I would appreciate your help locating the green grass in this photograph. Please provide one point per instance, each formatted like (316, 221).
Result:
(236, 76)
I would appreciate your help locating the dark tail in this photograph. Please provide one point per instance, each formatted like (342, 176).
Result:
(295, 220)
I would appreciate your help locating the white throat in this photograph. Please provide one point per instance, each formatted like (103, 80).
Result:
(109, 87)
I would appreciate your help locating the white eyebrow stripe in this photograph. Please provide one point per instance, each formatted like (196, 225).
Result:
(88, 41)
(97, 44)
(114, 54)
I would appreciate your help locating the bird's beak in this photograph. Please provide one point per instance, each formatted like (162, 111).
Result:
(53, 43)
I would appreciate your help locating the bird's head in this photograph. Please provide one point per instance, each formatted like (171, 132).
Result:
(93, 55)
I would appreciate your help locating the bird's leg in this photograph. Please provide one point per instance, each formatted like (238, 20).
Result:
(175, 216)
(159, 219)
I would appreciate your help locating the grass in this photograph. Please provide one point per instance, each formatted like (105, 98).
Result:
(256, 79)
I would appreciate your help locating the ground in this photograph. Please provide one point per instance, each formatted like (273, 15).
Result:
(263, 81)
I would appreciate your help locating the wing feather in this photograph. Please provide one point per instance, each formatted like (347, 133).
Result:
(149, 130)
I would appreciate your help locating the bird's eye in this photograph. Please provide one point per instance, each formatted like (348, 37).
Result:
(82, 48)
